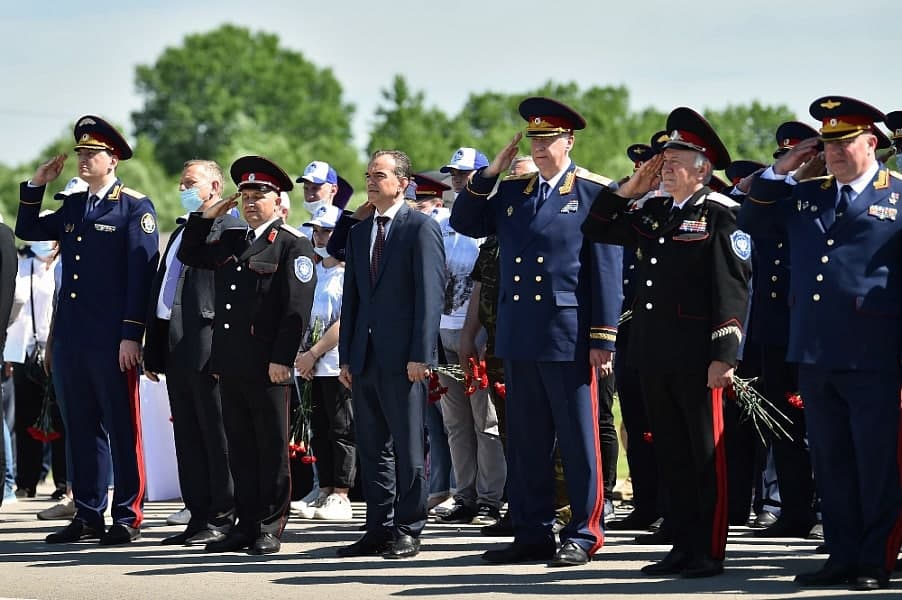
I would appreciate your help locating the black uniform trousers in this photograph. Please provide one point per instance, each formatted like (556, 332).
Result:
(853, 428)
(791, 458)
(687, 427)
(607, 435)
(29, 451)
(255, 416)
(389, 420)
(332, 420)
(640, 453)
(201, 449)
(746, 454)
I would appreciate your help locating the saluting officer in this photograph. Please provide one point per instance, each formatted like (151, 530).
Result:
(844, 297)
(687, 325)
(109, 248)
(265, 280)
(558, 306)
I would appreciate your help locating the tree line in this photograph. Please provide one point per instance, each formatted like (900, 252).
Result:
(232, 91)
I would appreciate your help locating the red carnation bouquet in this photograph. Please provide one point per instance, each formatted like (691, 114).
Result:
(42, 430)
(476, 377)
(755, 407)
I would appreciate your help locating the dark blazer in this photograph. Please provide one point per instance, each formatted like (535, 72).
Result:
(187, 337)
(264, 291)
(9, 266)
(401, 313)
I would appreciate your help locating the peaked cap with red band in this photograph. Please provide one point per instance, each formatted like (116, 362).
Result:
(546, 117)
(93, 133)
(740, 169)
(843, 118)
(429, 188)
(255, 171)
(790, 133)
(690, 131)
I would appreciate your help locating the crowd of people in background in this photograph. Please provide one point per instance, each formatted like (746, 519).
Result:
(453, 351)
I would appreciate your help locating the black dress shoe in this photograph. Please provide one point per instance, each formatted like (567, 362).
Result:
(178, 539)
(570, 554)
(266, 543)
(369, 545)
(404, 546)
(517, 552)
(870, 578)
(204, 537)
(634, 520)
(829, 574)
(74, 532)
(459, 514)
(784, 528)
(658, 538)
(234, 541)
(764, 519)
(503, 528)
(671, 564)
(120, 534)
(817, 532)
(701, 566)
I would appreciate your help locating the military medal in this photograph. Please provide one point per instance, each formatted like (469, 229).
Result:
(272, 235)
(894, 197)
(882, 212)
(692, 226)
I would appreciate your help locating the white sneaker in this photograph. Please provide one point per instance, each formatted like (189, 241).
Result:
(64, 511)
(334, 508)
(181, 517)
(304, 502)
(442, 508)
(308, 511)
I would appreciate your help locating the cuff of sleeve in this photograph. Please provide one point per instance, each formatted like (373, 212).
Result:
(481, 186)
(132, 330)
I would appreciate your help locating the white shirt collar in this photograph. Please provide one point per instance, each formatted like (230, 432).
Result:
(102, 192)
(858, 184)
(259, 230)
(552, 183)
(391, 211)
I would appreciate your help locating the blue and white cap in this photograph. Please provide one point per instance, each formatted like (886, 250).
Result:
(73, 186)
(319, 172)
(466, 159)
(326, 216)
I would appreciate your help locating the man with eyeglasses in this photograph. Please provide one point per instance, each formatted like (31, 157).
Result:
(558, 307)
(265, 279)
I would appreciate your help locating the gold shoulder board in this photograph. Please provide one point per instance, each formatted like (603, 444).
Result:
(589, 175)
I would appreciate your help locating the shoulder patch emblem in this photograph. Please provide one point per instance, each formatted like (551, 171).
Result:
(303, 269)
(148, 223)
(589, 175)
(741, 244)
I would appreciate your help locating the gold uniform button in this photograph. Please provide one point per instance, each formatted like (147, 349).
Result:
(238, 268)
(649, 306)
(78, 239)
(228, 307)
(825, 259)
(538, 297)
(518, 260)
(777, 261)
(516, 297)
(232, 287)
(516, 278)
(652, 260)
(648, 283)
(538, 279)
(74, 275)
(660, 240)
(773, 294)
(73, 295)
(540, 259)
(779, 244)
(819, 277)
(225, 326)
(626, 282)
(633, 266)
(816, 297)
(773, 278)
(77, 257)
(830, 242)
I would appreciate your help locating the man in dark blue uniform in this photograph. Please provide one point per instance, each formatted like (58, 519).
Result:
(687, 326)
(265, 279)
(109, 248)
(844, 297)
(558, 307)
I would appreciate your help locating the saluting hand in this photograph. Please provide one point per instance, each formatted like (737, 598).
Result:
(643, 180)
(222, 206)
(795, 158)
(503, 159)
(49, 171)
(815, 167)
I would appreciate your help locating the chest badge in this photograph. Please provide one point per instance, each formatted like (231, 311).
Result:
(303, 269)
(894, 198)
(571, 207)
(693, 226)
(69, 228)
(510, 210)
(272, 235)
(148, 223)
(882, 212)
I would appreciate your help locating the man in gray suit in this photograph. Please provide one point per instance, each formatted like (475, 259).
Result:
(393, 291)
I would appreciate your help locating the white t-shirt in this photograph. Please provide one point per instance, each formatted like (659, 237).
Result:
(20, 335)
(460, 256)
(326, 310)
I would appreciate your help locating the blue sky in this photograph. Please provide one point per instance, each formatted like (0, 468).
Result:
(62, 59)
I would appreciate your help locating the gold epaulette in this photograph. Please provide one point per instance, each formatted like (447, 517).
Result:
(516, 177)
(821, 178)
(291, 230)
(134, 193)
(595, 177)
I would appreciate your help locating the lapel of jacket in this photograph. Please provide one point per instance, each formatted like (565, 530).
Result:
(108, 202)
(393, 239)
(871, 194)
(558, 197)
(261, 243)
(671, 220)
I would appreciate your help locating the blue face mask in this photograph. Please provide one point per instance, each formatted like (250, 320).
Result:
(42, 249)
(190, 199)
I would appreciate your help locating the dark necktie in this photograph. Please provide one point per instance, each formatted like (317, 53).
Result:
(842, 205)
(93, 201)
(378, 245)
(543, 195)
(172, 278)
(251, 236)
